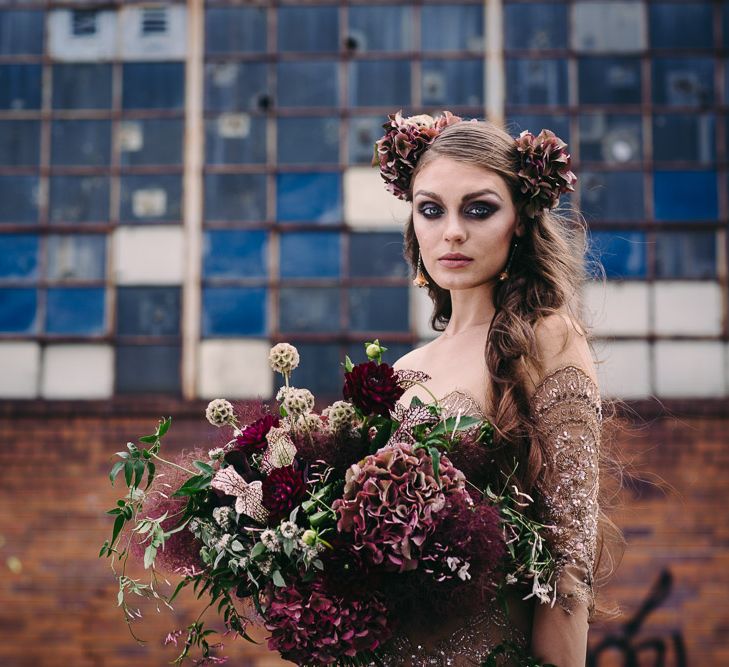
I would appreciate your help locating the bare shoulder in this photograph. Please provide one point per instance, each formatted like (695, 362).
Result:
(413, 360)
(560, 342)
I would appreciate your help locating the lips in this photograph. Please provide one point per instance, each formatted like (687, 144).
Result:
(454, 260)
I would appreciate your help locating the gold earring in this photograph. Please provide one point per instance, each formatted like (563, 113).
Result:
(420, 279)
(504, 275)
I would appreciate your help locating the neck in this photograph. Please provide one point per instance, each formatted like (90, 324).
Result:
(471, 308)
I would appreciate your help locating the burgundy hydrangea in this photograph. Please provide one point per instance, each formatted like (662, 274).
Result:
(391, 501)
(404, 141)
(311, 625)
(373, 388)
(545, 170)
(283, 488)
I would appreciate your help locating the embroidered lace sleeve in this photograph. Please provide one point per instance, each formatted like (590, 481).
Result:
(566, 409)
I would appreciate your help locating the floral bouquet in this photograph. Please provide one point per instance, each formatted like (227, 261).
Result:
(326, 528)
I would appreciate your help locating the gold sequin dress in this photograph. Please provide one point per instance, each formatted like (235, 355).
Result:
(566, 408)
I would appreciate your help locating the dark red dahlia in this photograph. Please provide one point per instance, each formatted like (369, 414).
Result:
(283, 488)
(253, 437)
(373, 388)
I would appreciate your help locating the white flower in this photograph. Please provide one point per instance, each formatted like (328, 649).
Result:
(270, 540)
(243, 562)
(194, 525)
(452, 563)
(216, 454)
(265, 566)
(283, 358)
(511, 579)
(463, 573)
(289, 529)
(223, 517)
(341, 415)
(220, 412)
(224, 541)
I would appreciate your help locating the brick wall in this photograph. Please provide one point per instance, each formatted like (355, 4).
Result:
(57, 599)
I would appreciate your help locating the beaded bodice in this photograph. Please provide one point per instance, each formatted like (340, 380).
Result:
(566, 410)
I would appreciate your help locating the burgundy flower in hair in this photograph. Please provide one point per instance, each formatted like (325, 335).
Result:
(545, 170)
(404, 141)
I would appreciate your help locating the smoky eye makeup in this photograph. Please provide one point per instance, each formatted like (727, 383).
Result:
(476, 209)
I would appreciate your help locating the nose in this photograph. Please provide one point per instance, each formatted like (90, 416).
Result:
(454, 229)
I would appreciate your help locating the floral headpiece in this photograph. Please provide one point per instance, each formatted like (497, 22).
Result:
(544, 169)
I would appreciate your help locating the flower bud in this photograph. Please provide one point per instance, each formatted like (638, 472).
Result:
(309, 537)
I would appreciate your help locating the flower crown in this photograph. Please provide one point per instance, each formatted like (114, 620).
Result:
(544, 163)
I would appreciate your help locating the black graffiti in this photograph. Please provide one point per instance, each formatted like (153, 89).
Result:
(667, 651)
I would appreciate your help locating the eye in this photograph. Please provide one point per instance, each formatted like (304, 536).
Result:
(481, 210)
(429, 210)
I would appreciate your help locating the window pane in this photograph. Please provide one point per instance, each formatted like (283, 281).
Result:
(681, 26)
(147, 369)
(538, 25)
(235, 197)
(308, 28)
(235, 29)
(377, 254)
(535, 122)
(609, 80)
(378, 28)
(235, 138)
(615, 26)
(151, 141)
(21, 32)
(75, 310)
(683, 81)
(20, 87)
(81, 142)
(686, 255)
(612, 195)
(685, 195)
(153, 85)
(379, 308)
(319, 369)
(19, 143)
(363, 132)
(309, 198)
(379, 83)
(232, 311)
(18, 256)
(235, 254)
(452, 27)
(76, 256)
(19, 197)
(236, 86)
(86, 86)
(611, 138)
(79, 199)
(18, 310)
(533, 81)
(310, 255)
(151, 197)
(308, 140)
(622, 253)
(453, 82)
(307, 84)
(148, 311)
(684, 137)
(310, 309)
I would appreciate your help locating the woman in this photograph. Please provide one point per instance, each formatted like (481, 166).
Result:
(503, 271)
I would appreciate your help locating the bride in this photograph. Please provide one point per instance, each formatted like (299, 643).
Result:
(503, 271)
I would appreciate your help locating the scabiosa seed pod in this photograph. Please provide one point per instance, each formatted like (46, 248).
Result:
(284, 358)
(220, 412)
(340, 414)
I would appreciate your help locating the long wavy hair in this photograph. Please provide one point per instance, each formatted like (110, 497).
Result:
(547, 270)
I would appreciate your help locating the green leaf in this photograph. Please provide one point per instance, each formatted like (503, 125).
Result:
(150, 554)
(435, 457)
(180, 586)
(115, 470)
(384, 430)
(104, 548)
(138, 472)
(124, 455)
(415, 402)
(258, 550)
(128, 471)
(193, 485)
(348, 365)
(148, 439)
(164, 426)
(204, 467)
(118, 524)
(288, 547)
(120, 598)
(318, 518)
(150, 473)
(278, 580)
(235, 545)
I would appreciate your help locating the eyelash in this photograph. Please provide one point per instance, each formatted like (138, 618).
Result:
(489, 208)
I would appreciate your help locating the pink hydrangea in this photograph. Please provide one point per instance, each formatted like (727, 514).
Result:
(391, 502)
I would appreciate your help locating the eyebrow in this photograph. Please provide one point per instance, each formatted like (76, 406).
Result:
(467, 197)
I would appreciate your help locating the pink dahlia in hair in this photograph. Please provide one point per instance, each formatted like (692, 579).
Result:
(545, 170)
(391, 502)
(283, 488)
(311, 625)
(373, 388)
(404, 141)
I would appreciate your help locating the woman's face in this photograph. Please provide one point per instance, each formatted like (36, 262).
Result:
(464, 220)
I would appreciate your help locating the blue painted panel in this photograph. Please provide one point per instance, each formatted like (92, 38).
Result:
(235, 254)
(309, 198)
(234, 311)
(153, 85)
(310, 255)
(685, 195)
(622, 253)
(75, 310)
(379, 309)
(18, 308)
(18, 256)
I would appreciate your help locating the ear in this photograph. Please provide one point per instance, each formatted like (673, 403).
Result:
(520, 228)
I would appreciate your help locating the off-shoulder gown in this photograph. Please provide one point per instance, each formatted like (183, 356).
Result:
(566, 408)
